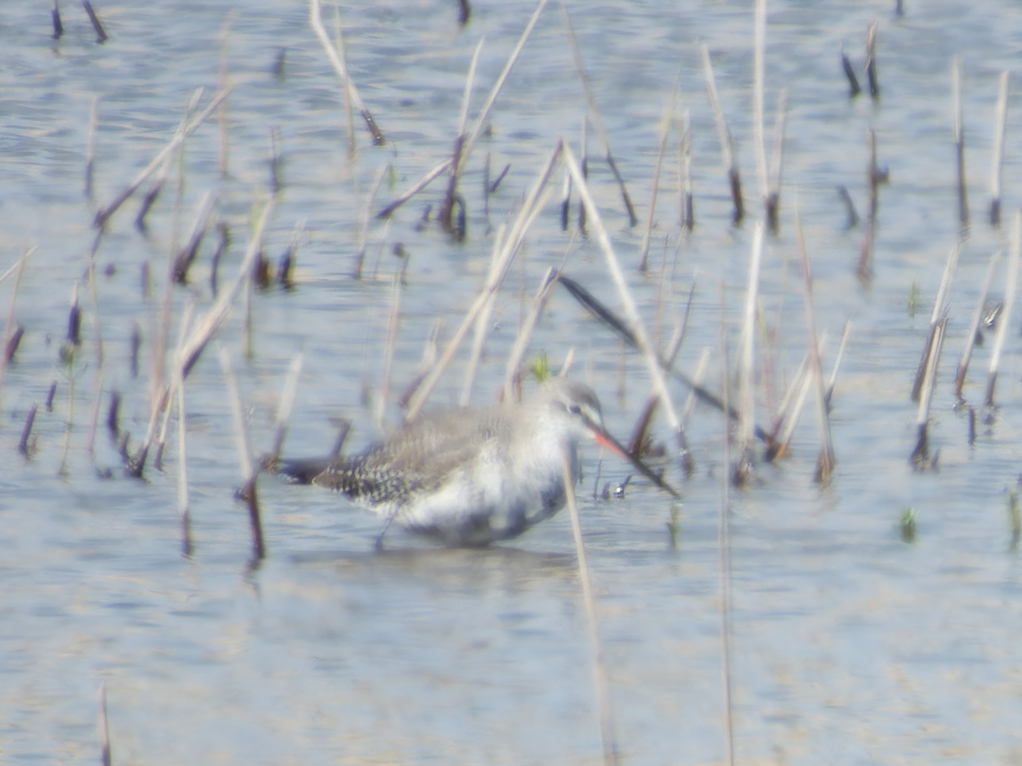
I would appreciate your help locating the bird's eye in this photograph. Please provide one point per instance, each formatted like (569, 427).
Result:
(575, 409)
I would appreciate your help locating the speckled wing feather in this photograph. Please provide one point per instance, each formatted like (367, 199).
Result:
(419, 457)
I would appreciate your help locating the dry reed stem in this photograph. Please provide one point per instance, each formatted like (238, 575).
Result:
(480, 124)
(337, 60)
(17, 270)
(686, 206)
(1005, 318)
(249, 470)
(631, 312)
(594, 111)
(997, 158)
(959, 134)
(601, 684)
(393, 325)
(97, 326)
(865, 268)
(452, 197)
(225, 32)
(746, 367)
(837, 361)
(186, 255)
(161, 177)
(871, 61)
(921, 454)
(104, 214)
(183, 502)
(940, 311)
(825, 463)
(511, 373)
(977, 317)
(288, 395)
(853, 81)
(727, 143)
(506, 248)
(654, 186)
(758, 138)
(212, 320)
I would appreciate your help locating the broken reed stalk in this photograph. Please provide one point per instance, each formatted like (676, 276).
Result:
(223, 120)
(26, 433)
(601, 684)
(665, 126)
(746, 366)
(480, 124)
(58, 27)
(97, 25)
(161, 177)
(920, 458)
(837, 361)
(288, 395)
(104, 214)
(1000, 122)
(208, 325)
(506, 247)
(337, 60)
(826, 460)
(871, 60)
(686, 205)
(865, 269)
(940, 311)
(186, 255)
(274, 159)
(773, 198)
(727, 144)
(249, 470)
(452, 199)
(103, 728)
(959, 134)
(594, 111)
(977, 317)
(17, 270)
(90, 147)
(1005, 318)
(631, 312)
(511, 373)
(853, 81)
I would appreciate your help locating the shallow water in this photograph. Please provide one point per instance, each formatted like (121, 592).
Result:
(848, 644)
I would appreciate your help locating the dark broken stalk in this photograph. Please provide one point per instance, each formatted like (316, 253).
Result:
(686, 206)
(584, 155)
(939, 315)
(49, 396)
(26, 433)
(186, 256)
(101, 36)
(977, 318)
(104, 728)
(853, 81)
(221, 246)
(566, 203)
(58, 27)
(112, 416)
(959, 134)
(594, 111)
(726, 141)
(871, 60)
(11, 347)
(448, 222)
(773, 198)
(1004, 321)
(249, 470)
(136, 344)
(1000, 122)
(464, 12)
(865, 269)
(853, 216)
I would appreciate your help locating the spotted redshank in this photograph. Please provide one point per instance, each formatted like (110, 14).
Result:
(474, 476)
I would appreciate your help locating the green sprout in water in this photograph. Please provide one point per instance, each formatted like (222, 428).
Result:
(540, 367)
(907, 525)
(913, 299)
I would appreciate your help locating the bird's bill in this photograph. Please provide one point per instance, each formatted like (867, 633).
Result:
(608, 441)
